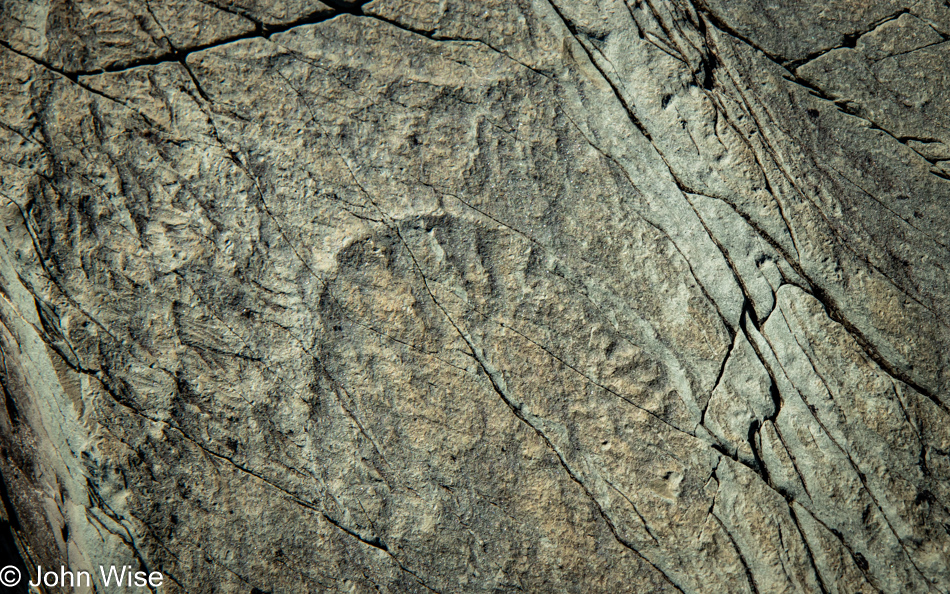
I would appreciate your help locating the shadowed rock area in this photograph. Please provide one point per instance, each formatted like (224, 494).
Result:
(496, 296)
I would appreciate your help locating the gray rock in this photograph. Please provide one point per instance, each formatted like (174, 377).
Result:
(477, 297)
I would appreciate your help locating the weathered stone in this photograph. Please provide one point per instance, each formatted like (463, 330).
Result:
(462, 297)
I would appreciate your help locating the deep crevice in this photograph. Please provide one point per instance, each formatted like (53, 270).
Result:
(180, 55)
(849, 40)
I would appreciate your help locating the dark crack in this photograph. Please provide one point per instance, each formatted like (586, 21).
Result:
(850, 40)
(742, 560)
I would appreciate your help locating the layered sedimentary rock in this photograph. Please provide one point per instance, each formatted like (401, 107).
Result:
(547, 296)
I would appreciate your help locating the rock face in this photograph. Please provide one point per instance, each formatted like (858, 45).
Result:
(534, 296)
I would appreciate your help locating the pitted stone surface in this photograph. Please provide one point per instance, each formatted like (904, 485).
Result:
(543, 296)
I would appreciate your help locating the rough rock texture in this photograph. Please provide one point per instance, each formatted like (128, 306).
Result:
(496, 296)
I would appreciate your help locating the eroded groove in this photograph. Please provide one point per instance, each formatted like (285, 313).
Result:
(807, 546)
(854, 466)
(745, 565)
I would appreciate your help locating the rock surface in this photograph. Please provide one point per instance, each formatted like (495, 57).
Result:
(547, 296)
